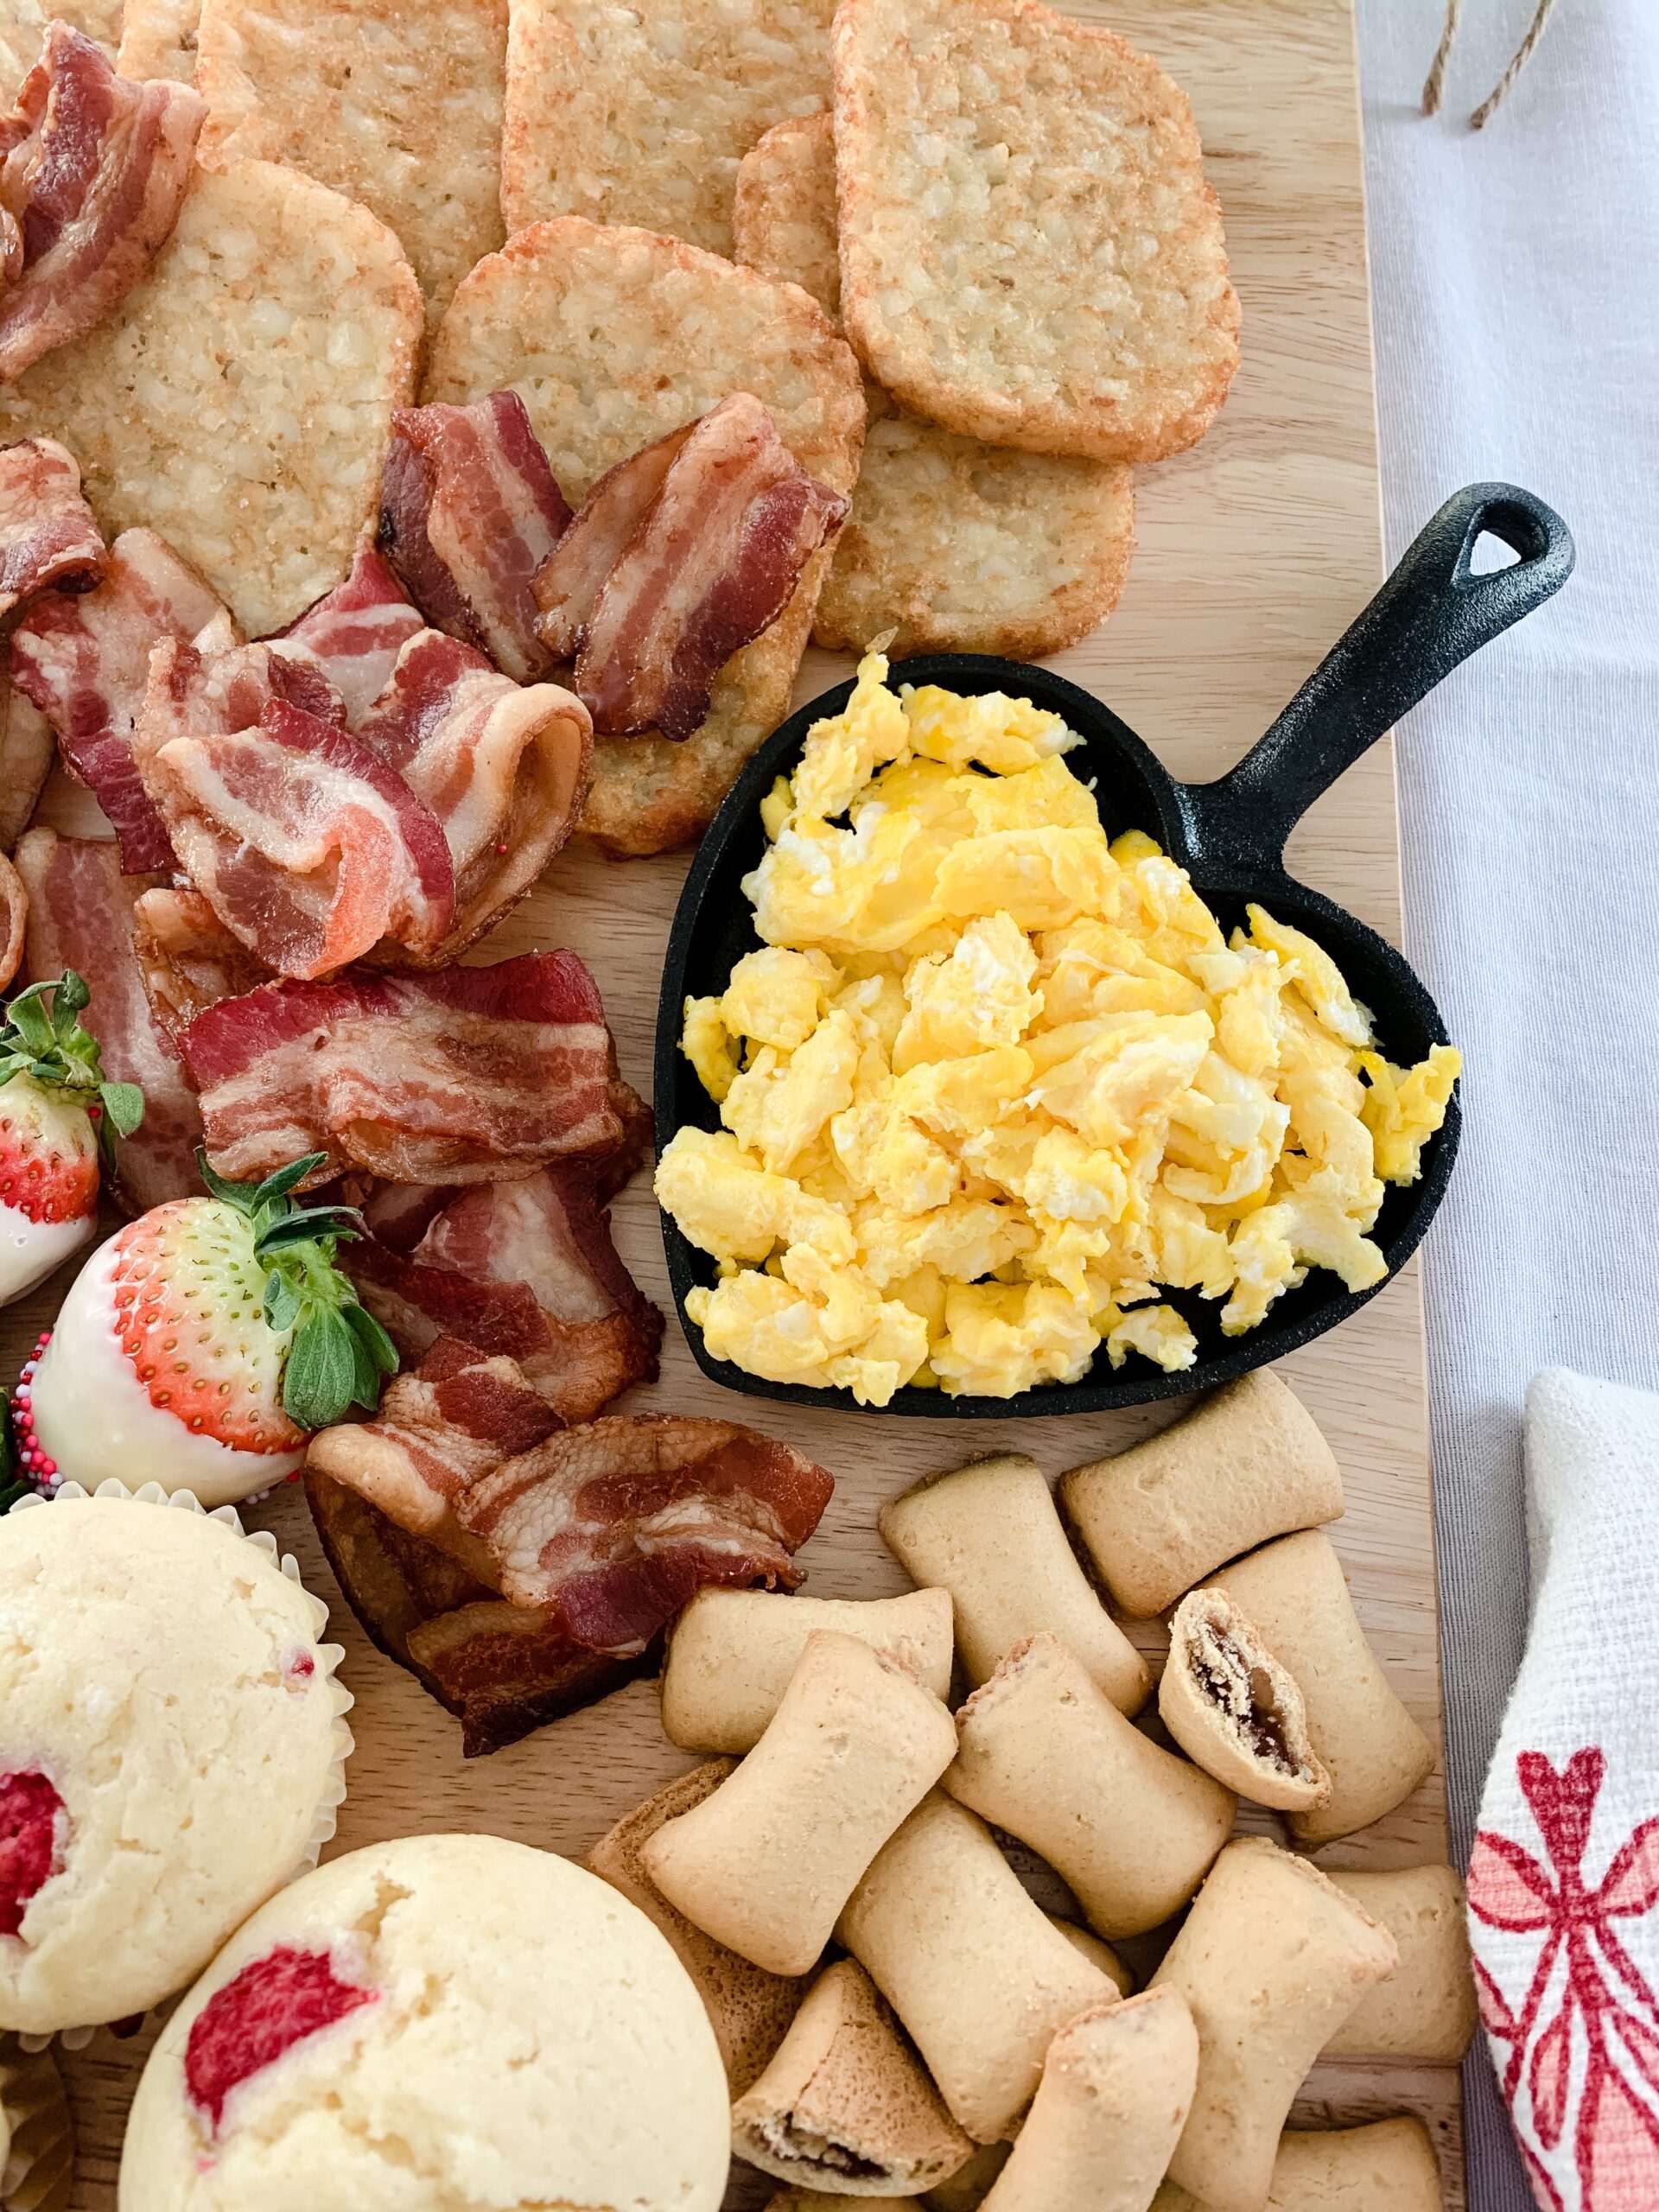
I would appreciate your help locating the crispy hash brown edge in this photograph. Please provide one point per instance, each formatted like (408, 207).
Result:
(648, 795)
(969, 403)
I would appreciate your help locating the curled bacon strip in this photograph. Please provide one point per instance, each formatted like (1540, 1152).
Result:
(95, 170)
(457, 1076)
(469, 512)
(355, 633)
(48, 534)
(503, 768)
(83, 659)
(308, 847)
(714, 563)
(608, 1527)
(569, 581)
(81, 916)
(527, 1269)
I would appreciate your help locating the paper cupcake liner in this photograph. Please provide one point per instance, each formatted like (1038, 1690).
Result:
(328, 1658)
(38, 2174)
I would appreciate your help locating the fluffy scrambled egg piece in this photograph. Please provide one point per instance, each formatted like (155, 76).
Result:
(992, 1081)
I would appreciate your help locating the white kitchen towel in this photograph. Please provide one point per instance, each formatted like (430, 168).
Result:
(1515, 277)
(1564, 1877)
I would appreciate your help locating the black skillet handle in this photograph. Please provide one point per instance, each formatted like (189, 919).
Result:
(1433, 613)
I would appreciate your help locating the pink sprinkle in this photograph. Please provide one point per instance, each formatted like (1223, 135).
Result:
(48, 1468)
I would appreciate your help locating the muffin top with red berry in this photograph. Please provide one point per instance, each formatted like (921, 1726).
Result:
(170, 1741)
(452, 2020)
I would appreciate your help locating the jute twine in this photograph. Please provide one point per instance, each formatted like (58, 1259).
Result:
(1523, 54)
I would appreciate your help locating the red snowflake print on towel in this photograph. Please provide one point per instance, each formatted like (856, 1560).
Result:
(1582, 2073)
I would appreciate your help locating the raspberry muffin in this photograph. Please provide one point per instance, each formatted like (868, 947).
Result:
(170, 1751)
(449, 2020)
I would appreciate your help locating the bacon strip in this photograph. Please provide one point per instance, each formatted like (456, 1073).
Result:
(614, 1526)
(469, 512)
(569, 583)
(48, 534)
(456, 1076)
(525, 1269)
(95, 171)
(355, 633)
(608, 1527)
(84, 661)
(713, 563)
(81, 916)
(502, 1670)
(503, 768)
(308, 847)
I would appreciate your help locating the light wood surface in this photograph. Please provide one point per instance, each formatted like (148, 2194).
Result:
(1254, 551)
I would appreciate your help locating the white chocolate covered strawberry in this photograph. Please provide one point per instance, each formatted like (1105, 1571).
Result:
(57, 1117)
(202, 1344)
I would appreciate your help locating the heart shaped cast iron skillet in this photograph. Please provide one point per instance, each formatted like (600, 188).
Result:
(1433, 613)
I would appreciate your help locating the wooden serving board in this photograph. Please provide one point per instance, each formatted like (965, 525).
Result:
(1256, 551)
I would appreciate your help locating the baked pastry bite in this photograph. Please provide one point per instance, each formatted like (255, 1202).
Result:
(171, 1749)
(1387, 2166)
(990, 1533)
(749, 2009)
(1248, 1464)
(978, 1975)
(765, 1865)
(1271, 1960)
(1295, 1593)
(1042, 1752)
(845, 2102)
(1235, 1711)
(477, 2014)
(1427, 2009)
(731, 1654)
(1117, 2085)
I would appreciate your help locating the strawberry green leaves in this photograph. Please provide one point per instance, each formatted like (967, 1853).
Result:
(339, 1355)
(41, 1036)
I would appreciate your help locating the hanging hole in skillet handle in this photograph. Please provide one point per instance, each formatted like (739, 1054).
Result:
(1439, 606)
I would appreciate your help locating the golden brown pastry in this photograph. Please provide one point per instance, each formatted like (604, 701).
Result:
(1388, 2166)
(845, 2104)
(1271, 1960)
(1116, 2088)
(1132, 1830)
(1376, 1755)
(732, 1652)
(1234, 1710)
(1427, 2009)
(969, 1963)
(1248, 1464)
(990, 1534)
(765, 1864)
(1086, 1940)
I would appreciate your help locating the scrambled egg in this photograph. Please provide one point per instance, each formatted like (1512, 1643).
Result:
(991, 1082)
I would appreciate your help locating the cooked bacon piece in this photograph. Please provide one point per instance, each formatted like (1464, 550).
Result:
(84, 661)
(458, 1076)
(95, 171)
(569, 581)
(714, 563)
(27, 751)
(47, 532)
(306, 846)
(355, 633)
(81, 916)
(14, 917)
(188, 959)
(527, 1269)
(615, 1525)
(502, 1670)
(503, 768)
(468, 513)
